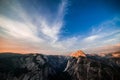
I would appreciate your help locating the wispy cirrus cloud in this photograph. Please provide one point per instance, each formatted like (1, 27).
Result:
(105, 33)
(41, 32)
(38, 33)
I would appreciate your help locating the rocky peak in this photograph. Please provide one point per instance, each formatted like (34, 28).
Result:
(78, 54)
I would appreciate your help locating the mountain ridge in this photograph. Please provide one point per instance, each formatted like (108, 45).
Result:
(56, 67)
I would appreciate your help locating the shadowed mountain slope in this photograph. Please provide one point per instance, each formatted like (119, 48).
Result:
(56, 67)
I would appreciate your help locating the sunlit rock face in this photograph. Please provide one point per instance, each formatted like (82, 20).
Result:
(78, 54)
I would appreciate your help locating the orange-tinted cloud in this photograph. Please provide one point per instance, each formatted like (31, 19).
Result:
(7, 45)
(13, 46)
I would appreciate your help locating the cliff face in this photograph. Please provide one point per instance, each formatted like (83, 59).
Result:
(30, 67)
(50, 67)
(92, 69)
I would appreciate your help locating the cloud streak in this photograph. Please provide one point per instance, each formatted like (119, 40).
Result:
(40, 33)
(37, 33)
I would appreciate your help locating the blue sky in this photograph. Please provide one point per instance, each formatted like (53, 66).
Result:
(59, 26)
(84, 14)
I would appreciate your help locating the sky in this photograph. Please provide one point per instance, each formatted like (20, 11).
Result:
(58, 26)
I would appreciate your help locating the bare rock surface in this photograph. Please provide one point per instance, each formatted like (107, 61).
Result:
(30, 66)
(92, 69)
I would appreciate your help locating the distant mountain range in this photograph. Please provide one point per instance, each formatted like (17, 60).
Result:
(103, 49)
(77, 66)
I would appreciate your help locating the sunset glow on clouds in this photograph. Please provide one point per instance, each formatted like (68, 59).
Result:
(35, 26)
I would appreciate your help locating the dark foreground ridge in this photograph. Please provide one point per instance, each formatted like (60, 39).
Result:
(50, 67)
